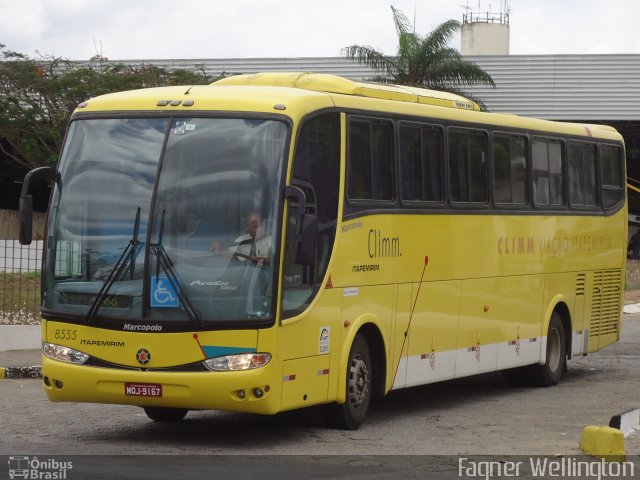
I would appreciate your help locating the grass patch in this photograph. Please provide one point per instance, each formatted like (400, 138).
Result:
(19, 298)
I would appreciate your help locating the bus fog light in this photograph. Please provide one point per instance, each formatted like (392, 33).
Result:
(241, 394)
(258, 392)
(59, 384)
(242, 361)
(64, 354)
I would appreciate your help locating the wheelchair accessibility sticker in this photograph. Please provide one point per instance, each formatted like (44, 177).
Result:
(162, 293)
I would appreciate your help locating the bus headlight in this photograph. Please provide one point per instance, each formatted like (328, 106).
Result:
(242, 361)
(64, 354)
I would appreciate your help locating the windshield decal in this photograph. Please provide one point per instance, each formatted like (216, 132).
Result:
(163, 295)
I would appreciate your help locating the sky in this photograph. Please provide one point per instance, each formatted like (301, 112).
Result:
(211, 29)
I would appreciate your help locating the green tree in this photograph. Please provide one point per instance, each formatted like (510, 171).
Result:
(425, 62)
(38, 96)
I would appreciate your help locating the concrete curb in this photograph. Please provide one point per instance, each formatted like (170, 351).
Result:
(14, 339)
(627, 422)
(608, 442)
(631, 308)
(603, 442)
(34, 371)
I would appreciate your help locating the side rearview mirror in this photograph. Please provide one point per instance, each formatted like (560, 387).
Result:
(307, 230)
(25, 207)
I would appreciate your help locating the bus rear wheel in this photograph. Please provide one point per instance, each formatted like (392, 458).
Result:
(163, 414)
(550, 373)
(350, 414)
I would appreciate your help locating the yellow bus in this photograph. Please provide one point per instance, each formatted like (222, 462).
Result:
(281, 240)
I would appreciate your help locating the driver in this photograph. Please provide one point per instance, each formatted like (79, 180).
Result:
(253, 245)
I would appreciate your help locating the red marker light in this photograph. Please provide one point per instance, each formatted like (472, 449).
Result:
(426, 260)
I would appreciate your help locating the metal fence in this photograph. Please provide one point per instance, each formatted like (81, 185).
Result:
(20, 282)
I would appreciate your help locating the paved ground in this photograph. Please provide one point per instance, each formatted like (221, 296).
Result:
(20, 358)
(19, 337)
(631, 297)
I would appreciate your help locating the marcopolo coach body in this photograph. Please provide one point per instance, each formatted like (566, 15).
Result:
(274, 241)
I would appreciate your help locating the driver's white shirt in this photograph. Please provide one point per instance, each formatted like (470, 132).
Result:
(243, 243)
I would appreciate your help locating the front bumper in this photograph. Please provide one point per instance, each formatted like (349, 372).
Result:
(65, 382)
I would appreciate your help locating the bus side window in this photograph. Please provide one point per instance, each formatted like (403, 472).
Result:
(371, 153)
(316, 170)
(612, 167)
(581, 161)
(509, 169)
(420, 150)
(468, 166)
(547, 172)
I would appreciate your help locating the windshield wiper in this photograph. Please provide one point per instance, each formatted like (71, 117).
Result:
(127, 257)
(164, 262)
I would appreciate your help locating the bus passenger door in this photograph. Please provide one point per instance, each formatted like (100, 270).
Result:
(309, 338)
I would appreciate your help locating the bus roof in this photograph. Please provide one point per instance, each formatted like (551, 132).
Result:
(322, 82)
(300, 93)
(351, 94)
(209, 98)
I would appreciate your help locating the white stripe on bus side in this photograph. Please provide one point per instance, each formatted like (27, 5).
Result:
(430, 367)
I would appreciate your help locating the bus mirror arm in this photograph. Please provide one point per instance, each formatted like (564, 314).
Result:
(26, 202)
(307, 227)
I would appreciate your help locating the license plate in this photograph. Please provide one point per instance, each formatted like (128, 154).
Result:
(143, 389)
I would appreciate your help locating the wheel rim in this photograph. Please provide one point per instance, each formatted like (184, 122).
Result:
(554, 349)
(358, 382)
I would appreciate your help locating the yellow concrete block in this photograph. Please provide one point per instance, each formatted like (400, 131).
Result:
(605, 442)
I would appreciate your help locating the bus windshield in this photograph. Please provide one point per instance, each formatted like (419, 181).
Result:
(192, 243)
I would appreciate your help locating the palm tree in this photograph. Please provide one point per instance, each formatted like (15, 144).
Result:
(425, 62)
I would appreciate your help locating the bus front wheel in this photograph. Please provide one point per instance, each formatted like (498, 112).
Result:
(350, 414)
(161, 414)
(549, 374)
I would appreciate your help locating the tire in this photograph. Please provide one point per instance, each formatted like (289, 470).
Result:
(550, 373)
(350, 414)
(161, 414)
